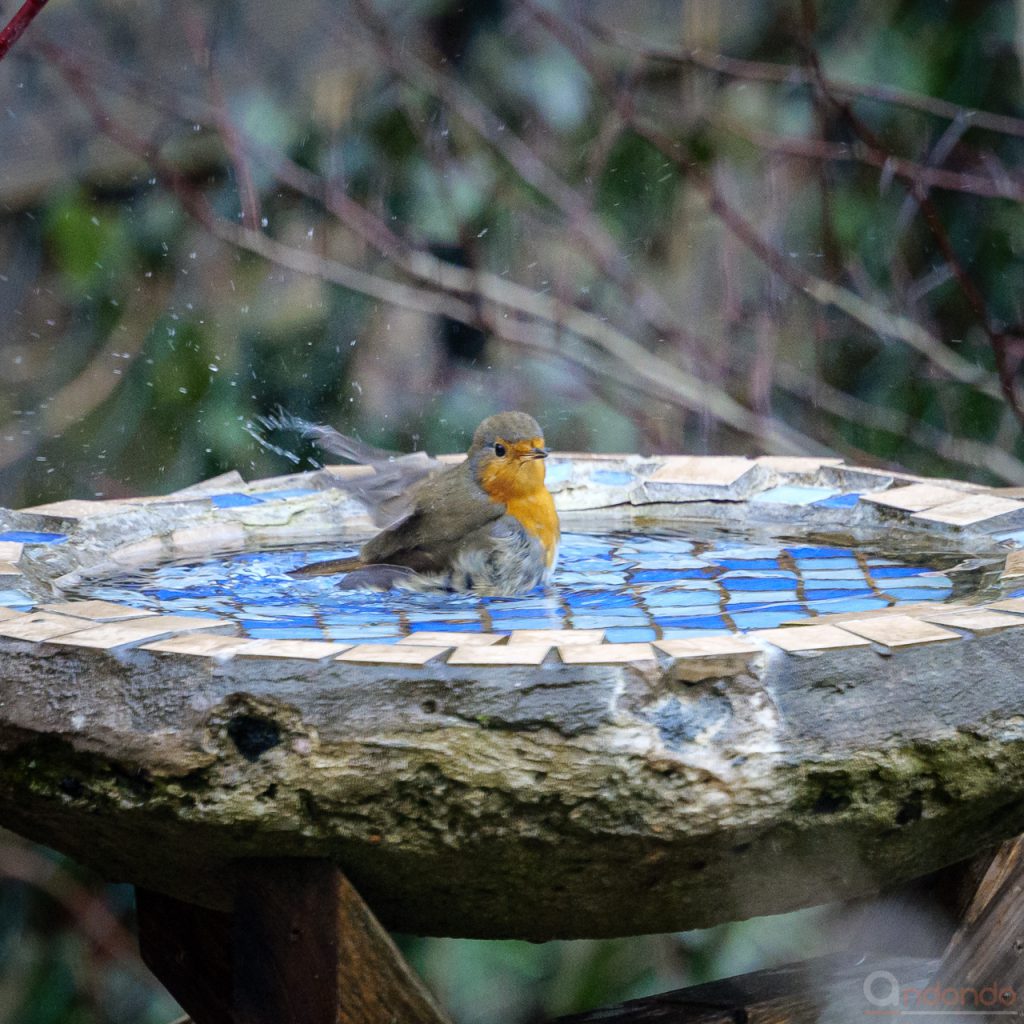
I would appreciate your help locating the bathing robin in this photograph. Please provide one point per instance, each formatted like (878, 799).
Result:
(487, 525)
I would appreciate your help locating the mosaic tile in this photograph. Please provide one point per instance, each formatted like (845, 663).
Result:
(15, 599)
(709, 647)
(311, 650)
(9, 613)
(810, 638)
(76, 508)
(40, 626)
(1014, 565)
(678, 633)
(234, 500)
(982, 620)
(1011, 604)
(612, 477)
(10, 550)
(33, 537)
(796, 463)
(898, 631)
(100, 611)
(715, 622)
(10, 569)
(443, 638)
(393, 654)
(793, 494)
(915, 497)
(200, 644)
(631, 634)
(767, 619)
(560, 637)
(606, 654)
(131, 631)
(713, 470)
(294, 633)
(839, 501)
(973, 510)
(513, 654)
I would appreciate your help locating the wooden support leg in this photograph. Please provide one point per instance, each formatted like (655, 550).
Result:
(988, 947)
(301, 948)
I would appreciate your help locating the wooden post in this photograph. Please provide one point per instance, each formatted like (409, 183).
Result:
(300, 948)
(988, 947)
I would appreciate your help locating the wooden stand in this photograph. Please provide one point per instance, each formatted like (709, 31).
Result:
(300, 948)
(303, 948)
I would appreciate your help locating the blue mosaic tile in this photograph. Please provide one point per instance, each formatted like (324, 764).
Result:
(443, 626)
(838, 501)
(850, 604)
(290, 492)
(698, 622)
(767, 618)
(794, 494)
(938, 582)
(838, 594)
(910, 595)
(558, 472)
(278, 632)
(760, 599)
(612, 477)
(826, 553)
(234, 500)
(761, 583)
(507, 625)
(33, 537)
(15, 599)
(689, 634)
(630, 634)
(810, 564)
(679, 598)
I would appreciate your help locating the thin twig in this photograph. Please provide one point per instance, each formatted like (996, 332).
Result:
(12, 31)
(790, 74)
(248, 196)
(886, 325)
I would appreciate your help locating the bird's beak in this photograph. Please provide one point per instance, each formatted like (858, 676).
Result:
(537, 453)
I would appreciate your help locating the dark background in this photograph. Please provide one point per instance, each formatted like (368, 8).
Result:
(787, 227)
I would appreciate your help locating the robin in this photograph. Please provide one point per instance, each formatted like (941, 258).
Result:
(487, 525)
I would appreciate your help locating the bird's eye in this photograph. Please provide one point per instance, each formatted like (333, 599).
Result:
(499, 449)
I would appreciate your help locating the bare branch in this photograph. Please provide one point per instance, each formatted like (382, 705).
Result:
(23, 17)
(790, 74)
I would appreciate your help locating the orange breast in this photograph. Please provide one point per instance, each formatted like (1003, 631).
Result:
(536, 512)
(519, 486)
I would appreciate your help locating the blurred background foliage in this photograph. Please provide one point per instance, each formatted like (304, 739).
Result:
(674, 225)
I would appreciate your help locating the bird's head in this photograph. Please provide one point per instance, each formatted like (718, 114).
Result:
(507, 456)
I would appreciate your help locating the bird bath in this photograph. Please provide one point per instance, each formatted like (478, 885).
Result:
(754, 685)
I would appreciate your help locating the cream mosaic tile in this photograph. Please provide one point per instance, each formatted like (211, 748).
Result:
(513, 654)
(561, 637)
(391, 654)
(443, 638)
(915, 497)
(39, 627)
(708, 470)
(100, 611)
(810, 638)
(982, 620)
(969, 511)
(117, 634)
(313, 650)
(606, 654)
(898, 631)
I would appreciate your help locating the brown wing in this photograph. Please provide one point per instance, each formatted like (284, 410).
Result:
(447, 507)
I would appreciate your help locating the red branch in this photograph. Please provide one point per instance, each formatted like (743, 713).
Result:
(21, 21)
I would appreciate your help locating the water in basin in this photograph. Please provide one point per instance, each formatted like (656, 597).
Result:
(636, 587)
